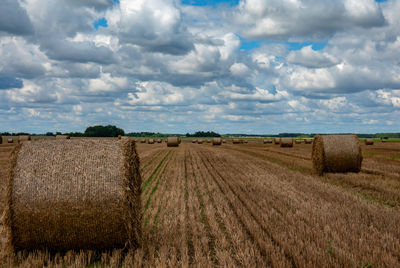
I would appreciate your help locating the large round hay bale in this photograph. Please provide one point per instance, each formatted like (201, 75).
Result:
(236, 141)
(73, 195)
(159, 140)
(9, 140)
(277, 141)
(308, 141)
(172, 142)
(216, 141)
(336, 153)
(63, 137)
(267, 141)
(286, 142)
(150, 141)
(23, 138)
(369, 141)
(200, 141)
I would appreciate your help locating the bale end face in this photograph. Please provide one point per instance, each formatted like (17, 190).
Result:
(336, 153)
(10, 140)
(60, 199)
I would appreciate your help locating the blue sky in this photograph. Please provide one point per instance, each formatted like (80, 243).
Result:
(172, 66)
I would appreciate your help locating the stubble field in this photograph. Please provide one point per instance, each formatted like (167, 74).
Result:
(254, 205)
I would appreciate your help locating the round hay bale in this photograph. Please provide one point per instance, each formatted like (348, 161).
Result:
(267, 141)
(384, 139)
(245, 141)
(172, 142)
(23, 138)
(216, 141)
(369, 141)
(336, 153)
(307, 141)
(73, 195)
(277, 141)
(208, 141)
(159, 140)
(286, 142)
(298, 141)
(119, 137)
(63, 137)
(143, 141)
(200, 141)
(10, 140)
(236, 141)
(150, 141)
(223, 141)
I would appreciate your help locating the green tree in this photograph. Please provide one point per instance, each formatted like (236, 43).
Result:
(103, 131)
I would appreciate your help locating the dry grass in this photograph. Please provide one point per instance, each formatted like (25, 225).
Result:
(236, 206)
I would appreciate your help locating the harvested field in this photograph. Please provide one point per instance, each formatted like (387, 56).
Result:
(255, 205)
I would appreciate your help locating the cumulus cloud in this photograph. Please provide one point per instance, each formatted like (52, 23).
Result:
(14, 19)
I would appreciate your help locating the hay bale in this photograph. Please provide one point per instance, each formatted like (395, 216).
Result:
(235, 141)
(308, 141)
(23, 138)
(245, 141)
(10, 140)
(384, 139)
(150, 141)
(159, 140)
(336, 153)
(216, 141)
(299, 141)
(223, 141)
(73, 195)
(208, 141)
(119, 137)
(286, 142)
(277, 141)
(369, 141)
(194, 141)
(200, 141)
(63, 137)
(267, 141)
(172, 142)
(143, 141)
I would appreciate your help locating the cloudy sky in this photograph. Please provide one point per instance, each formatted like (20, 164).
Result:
(232, 66)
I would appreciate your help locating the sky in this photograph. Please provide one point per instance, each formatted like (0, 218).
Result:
(177, 66)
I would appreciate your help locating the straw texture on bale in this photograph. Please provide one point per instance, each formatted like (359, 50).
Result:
(277, 140)
(10, 140)
(236, 141)
(172, 142)
(216, 141)
(307, 141)
(63, 137)
(286, 142)
(369, 141)
(336, 153)
(72, 195)
(24, 138)
(267, 141)
(150, 141)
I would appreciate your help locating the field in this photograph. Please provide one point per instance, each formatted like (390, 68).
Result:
(253, 205)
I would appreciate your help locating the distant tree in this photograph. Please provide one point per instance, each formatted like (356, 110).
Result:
(49, 134)
(204, 134)
(58, 133)
(104, 131)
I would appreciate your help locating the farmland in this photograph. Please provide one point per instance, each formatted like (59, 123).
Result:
(253, 205)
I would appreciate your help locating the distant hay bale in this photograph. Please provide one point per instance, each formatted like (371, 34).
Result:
(119, 137)
(23, 138)
(172, 142)
(277, 141)
(194, 141)
(159, 140)
(73, 195)
(267, 141)
(286, 142)
(384, 139)
(223, 141)
(369, 141)
(216, 141)
(200, 141)
(307, 141)
(245, 141)
(143, 141)
(10, 140)
(63, 137)
(208, 140)
(150, 141)
(336, 153)
(298, 141)
(236, 141)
